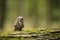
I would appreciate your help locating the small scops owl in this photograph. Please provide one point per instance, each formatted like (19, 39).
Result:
(19, 24)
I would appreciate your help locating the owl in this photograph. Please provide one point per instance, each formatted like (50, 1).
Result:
(19, 24)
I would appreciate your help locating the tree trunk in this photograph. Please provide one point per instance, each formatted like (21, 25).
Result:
(2, 12)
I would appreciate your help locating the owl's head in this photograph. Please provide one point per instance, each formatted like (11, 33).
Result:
(20, 18)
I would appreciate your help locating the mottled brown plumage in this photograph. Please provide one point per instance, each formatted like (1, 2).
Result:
(19, 24)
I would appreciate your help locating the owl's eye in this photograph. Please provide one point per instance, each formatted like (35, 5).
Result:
(18, 18)
(21, 18)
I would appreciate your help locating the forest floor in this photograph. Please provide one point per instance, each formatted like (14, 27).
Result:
(32, 35)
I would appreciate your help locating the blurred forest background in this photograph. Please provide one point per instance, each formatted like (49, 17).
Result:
(37, 14)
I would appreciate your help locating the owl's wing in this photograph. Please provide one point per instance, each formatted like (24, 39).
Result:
(15, 24)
